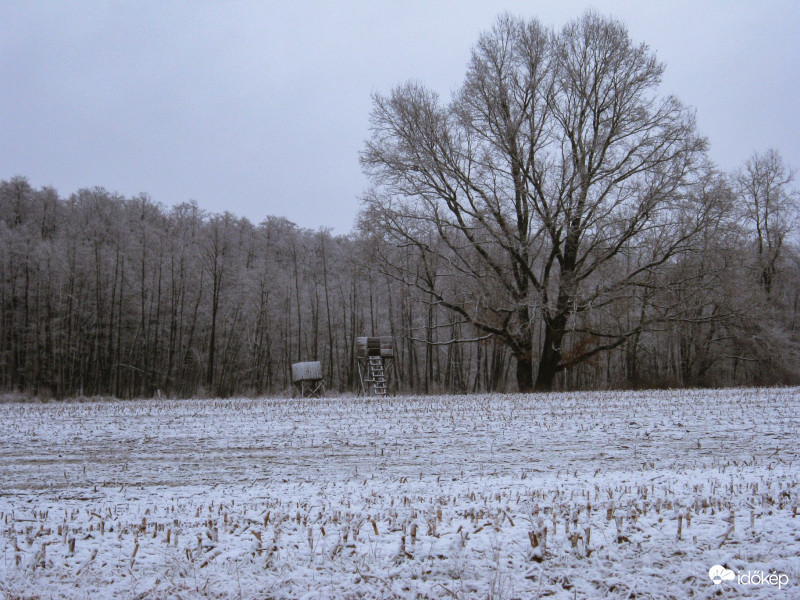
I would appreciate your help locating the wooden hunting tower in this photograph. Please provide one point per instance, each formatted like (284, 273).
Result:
(375, 364)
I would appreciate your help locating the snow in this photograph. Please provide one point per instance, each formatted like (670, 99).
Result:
(575, 495)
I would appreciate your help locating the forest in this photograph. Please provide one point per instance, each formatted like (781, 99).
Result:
(556, 225)
(106, 295)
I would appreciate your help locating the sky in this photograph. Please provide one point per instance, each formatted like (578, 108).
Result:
(262, 108)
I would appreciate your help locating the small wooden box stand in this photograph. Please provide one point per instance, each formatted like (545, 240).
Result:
(307, 380)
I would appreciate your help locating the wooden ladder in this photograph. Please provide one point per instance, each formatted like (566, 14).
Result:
(377, 375)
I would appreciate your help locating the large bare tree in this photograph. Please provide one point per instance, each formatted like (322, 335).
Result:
(554, 184)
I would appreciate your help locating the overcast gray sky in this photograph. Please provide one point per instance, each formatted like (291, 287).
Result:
(261, 108)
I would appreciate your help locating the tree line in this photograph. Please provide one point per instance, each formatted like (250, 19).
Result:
(106, 295)
(557, 224)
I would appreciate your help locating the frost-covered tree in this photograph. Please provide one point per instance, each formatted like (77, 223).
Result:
(554, 185)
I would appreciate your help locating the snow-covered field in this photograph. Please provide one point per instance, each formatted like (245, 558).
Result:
(595, 495)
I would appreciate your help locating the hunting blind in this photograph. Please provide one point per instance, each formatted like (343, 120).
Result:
(307, 379)
(375, 365)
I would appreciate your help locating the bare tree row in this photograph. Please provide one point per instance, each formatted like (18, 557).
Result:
(107, 295)
(101, 294)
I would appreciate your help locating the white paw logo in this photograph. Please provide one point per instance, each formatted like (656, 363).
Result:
(718, 574)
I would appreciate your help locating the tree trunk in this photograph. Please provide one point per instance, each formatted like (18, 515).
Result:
(524, 373)
(551, 355)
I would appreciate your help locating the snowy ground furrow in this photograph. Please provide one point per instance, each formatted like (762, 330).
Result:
(591, 495)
